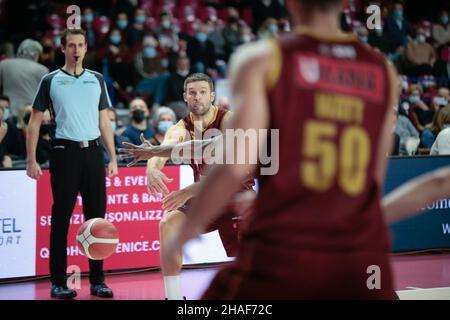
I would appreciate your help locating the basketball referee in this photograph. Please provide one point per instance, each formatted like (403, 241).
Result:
(78, 102)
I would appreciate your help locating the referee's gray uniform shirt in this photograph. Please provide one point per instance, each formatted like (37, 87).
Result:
(74, 101)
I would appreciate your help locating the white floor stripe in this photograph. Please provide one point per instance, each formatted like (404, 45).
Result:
(425, 294)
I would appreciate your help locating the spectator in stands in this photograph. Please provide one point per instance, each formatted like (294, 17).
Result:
(175, 87)
(24, 114)
(396, 31)
(47, 57)
(178, 51)
(363, 35)
(269, 29)
(247, 34)
(150, 68)
(419, 113)
(43, 148)
(6, 50)
(126, 6)
(377, 39)
(419, 55)
(263, 9)
(231, 35)
(405, 130)
(44, 145)
(114, 57)
(137, 31)
(442, 143)
(441, 30)
(124, 27)
(87, 25)
(118, 140)
(441, 36)
(14, 144)
(444, 92)
(201, 52)
(395, 151)
(162, 120)
(5, 160)
(215, 35)
(429, 134)
(395, 145)
(167, 33)
(139, 114)
(20, 77)
(284, 25)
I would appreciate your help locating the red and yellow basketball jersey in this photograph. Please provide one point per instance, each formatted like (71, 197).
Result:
(328, 98)
(188, 123)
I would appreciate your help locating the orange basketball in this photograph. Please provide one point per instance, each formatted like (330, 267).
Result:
(97, 238)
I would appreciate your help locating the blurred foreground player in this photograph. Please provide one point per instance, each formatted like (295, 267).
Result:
(78, 102)
(318, 226)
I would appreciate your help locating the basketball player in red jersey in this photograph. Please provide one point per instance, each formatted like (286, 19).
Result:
(317, 230)
(199, 95)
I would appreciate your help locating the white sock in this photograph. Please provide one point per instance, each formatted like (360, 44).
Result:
(173, 288)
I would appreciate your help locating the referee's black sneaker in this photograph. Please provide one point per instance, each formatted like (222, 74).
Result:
(101, 290)
(62, 292)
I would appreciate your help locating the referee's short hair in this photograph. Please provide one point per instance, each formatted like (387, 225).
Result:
(67, 32)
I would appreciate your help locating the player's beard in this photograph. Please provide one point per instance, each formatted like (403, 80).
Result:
(200, 109)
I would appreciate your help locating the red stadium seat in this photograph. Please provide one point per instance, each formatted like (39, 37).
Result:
(187, 27)
(151, 23)
(206, 13)
(424, 25)
(149, 8)
(247, 16)
(56, 22)
(183, 3)
(101, 24)
(185, 13)
(226, 12)
(171, 9)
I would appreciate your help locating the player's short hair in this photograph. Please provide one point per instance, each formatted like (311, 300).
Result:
(196, 77)
(67, 32)
(320, 4)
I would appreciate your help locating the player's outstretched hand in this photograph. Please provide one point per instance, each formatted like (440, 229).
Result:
(141, 152)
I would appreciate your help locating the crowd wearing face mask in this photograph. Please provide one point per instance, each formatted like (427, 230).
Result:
(418, 47)
(146, 49)
(422, 116)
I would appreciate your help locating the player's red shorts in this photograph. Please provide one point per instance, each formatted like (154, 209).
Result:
(277, 272)
(227, 225)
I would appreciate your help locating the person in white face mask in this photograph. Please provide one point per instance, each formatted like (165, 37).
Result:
(420, 55)
(151, 68)
(167, 33)
(163, 119)
(175, 87)
(441, 29)
(247, 34)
